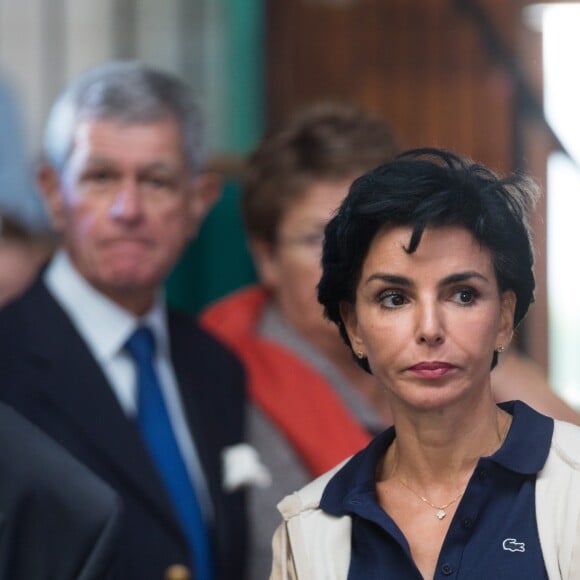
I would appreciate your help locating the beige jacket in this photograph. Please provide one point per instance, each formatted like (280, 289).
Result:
(311, 545)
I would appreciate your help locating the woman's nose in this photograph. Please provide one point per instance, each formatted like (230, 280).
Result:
(430, 325)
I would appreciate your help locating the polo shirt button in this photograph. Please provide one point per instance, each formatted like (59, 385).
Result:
(466, 523)
(447, 569)
(481, 473)
(355, 502)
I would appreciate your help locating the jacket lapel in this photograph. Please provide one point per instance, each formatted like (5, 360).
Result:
(195, 388)
(214, 410)
(70, 377)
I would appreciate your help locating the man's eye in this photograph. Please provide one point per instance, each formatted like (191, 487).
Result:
(99, 177)
(156, 182)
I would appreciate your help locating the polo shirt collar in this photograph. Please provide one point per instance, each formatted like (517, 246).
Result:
(528, 426)
(516, 454)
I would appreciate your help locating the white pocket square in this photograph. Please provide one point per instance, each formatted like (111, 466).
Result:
(242, 467)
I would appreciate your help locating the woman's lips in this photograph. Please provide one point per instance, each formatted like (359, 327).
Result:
(431, 369)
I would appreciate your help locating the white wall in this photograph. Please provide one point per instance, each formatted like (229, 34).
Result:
(43, 43)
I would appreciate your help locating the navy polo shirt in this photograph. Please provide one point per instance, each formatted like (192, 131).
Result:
(494, 531)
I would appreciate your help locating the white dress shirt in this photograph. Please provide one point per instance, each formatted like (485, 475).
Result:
(105, 328)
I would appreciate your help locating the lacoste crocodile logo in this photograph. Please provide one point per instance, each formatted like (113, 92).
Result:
(512, 545)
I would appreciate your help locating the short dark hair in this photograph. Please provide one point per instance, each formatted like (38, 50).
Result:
(424, 188)
(326, 141)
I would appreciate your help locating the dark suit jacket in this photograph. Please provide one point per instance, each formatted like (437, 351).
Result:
(57, 520)
(50, 376)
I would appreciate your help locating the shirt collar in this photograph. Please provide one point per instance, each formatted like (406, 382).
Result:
(516, 454)
(103, 324)
(528, 426)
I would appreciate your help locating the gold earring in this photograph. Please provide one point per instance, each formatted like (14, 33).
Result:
(359, 353)
(499, 348)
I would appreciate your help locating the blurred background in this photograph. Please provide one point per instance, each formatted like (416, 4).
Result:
(496, 80)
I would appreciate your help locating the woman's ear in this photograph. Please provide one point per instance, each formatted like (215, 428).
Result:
(349, 319)
(266, 262)
(507, 313)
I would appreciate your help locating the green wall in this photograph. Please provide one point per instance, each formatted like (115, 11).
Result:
(218, 261)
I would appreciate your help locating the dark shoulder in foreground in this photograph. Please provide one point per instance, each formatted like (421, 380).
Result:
(58, 520)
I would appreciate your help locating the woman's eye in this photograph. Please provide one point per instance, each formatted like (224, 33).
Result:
(313, 240)
(464, 296)
(392, 299)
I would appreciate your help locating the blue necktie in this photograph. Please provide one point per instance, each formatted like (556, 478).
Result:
(160, 440)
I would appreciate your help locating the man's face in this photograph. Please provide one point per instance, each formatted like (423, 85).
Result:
(125, 206)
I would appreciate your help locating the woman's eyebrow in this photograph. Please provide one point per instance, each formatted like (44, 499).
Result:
(391, 279)
(461, 277)
(408, 283)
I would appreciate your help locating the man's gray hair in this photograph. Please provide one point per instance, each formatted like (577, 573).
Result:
(128, 92)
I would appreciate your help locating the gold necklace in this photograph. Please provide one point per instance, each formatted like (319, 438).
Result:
(440, 513)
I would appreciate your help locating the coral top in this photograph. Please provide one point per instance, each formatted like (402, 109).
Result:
(294, 395)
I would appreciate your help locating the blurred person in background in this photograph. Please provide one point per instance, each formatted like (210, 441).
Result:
(91, 354)
(312, 404)
(26, 239)
(518, 376)
(19, 195)
(22, 253)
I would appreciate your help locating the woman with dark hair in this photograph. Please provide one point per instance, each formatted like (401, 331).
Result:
(304, 386)
(427, 271)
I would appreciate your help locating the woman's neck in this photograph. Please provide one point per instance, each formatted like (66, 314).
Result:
(429, 451)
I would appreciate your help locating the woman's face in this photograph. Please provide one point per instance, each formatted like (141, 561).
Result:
(291, 269)
(429, 321)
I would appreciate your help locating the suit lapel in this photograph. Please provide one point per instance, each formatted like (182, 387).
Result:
(194, 389)
(72, 379)
(211, 386)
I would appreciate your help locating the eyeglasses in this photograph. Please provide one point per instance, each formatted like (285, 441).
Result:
(307, 246)
(311, 241)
